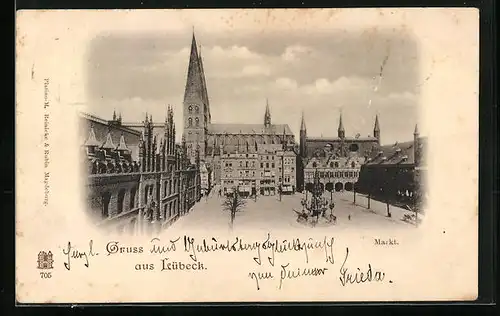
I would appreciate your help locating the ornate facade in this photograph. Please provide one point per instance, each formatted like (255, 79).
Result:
(132, 192)
(337, 159)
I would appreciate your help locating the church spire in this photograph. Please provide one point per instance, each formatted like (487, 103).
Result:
(267, 115)
(341, 131)
(303, 122)
(194, 83)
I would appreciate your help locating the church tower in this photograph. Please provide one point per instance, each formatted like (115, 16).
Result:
(196, 105)
(376, 130)
(267, 116)
(303, 136)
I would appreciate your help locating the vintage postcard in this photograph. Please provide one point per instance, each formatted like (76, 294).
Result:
(321, 155)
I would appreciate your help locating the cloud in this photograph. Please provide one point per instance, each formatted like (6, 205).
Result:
(342, 84)
(285, 83)
(235, 51)
(402, 96)
(256, 70)
(247, 89)
(295, 52)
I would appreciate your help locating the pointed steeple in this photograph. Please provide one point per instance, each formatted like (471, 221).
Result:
(91, 140)
(122, 146)
(341, 131)
(194, 90)
(108, 144)
(376, 129)
(303, 123)
(267, 115)
(114, 115)
(283, 140)
(416, 132)
(204, 86)
(377, 126)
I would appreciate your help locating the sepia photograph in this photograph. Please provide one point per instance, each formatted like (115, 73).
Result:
(210, 127)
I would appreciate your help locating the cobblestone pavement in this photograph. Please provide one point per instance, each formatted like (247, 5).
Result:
(268, 213)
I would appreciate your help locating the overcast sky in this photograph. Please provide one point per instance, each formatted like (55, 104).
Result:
(317, 72)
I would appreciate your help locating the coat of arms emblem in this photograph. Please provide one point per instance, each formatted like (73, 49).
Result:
(45, 260)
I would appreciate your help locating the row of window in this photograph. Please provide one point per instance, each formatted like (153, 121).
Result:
(332, 174)
(196, 122)
(288, 179)
(196, 109)
(334, 164)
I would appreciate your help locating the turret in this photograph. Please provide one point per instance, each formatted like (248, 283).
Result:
(341, 131)
(283, 141)
(267, 115)
(303, 137)
(167, 131)
(91, 142)
(416, 145)
(376, 130)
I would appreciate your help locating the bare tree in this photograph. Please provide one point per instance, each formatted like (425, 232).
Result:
(233, 203)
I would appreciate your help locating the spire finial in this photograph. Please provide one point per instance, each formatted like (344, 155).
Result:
(376, 128)
(303, 122)
(341, 125)
(416, 132)
(267, 115)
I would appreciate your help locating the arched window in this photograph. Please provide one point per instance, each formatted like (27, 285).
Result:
(197, 122)
(190, 109)
(331, 164)
(190, 122)
(315, 164)
(353, 164)
(336, 164)
(196, 109)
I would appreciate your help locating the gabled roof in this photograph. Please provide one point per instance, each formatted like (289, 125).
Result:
(122, 145)
(398, 153)
(108, 144)
(91, 140)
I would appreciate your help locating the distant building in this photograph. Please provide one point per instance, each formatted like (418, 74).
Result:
(265, 171)
(338, 159)
(239, 171)
(335, 173)
(137, 179)
(394, 173)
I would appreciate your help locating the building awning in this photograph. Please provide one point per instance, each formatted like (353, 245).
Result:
(287, 188)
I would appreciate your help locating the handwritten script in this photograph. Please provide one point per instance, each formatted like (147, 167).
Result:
(273, 262)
